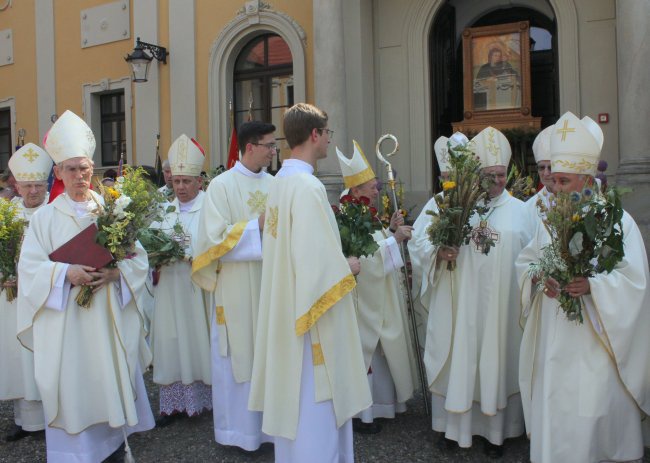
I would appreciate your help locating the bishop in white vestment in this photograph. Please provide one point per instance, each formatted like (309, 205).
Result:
(88, 362)
(473, 333)
(31, 166)
(309, 377)
(585, 387)
(381, 308)
(229, 262)
(180, 330)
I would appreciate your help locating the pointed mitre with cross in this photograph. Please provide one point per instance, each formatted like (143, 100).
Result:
(442, 150)
(492, 147)
(186, 157)
(69, 137)
(356, 171)
(30, 164)
(575, 145)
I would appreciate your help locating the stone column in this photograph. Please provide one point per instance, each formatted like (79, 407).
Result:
(329, 86)
(633, 56)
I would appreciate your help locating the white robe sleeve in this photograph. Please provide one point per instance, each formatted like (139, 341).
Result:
(249, 246)
(392, 256)
(58, 297)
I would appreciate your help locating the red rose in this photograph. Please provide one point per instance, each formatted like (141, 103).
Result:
(347, 199)
(335, 209)
(373, 211)
(364, 200)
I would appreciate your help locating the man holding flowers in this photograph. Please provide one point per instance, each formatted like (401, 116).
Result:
(88, 362)
(473, 332)
(180, 326)
(584, 370)
(31, 166)
(228, 261)
(380, 304)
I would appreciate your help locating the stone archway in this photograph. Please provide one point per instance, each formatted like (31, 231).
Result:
(254, 20)
(416, 29)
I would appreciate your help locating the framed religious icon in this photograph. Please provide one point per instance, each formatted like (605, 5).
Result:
(496, 77)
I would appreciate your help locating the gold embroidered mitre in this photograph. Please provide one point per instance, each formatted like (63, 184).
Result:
(542, 145)
(69, 137)
(186, 157)
(30, 164)
(575, 145)
(492, 148)
(442, 150)
(356, 171)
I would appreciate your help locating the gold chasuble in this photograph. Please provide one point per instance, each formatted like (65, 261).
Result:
(231, 202)
(306, 283)
(86, 360)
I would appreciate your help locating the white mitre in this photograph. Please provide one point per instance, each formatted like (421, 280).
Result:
(355, 171)
(70, 137)
(30, 164)
(492, 148)
(186, 157)
(575, 145)
(542, 145)
(595, 130)
(441, 148)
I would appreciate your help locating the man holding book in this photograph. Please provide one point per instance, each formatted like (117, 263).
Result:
(88, 362)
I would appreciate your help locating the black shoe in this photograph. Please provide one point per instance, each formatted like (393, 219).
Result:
(444, 444)
(365, 428)
(493, 451)
(16, 434)
(165, 420)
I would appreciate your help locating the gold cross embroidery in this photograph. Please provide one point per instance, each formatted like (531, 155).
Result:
(30, 155)
(271, 224)
(257, 201)
(566, 129)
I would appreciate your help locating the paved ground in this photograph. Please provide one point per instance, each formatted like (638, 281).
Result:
(405, 439)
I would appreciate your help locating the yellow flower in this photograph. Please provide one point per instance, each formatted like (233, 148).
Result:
(575, 218)
(448, 185)
(113, 192)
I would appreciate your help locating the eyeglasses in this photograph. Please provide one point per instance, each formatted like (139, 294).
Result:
(270, 146)
(329, 132)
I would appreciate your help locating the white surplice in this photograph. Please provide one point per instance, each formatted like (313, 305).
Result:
(229, 261)
(87, 361)
(584, 387)
(17, 383)
(309, 377)
(473, 334)
(384, 328)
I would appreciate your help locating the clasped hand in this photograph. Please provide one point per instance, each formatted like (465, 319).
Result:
(577, 287)
(85, 275)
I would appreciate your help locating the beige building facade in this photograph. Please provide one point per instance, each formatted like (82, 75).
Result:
(373, 65)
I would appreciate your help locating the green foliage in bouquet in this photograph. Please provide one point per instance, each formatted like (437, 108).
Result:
(12, 227)
(522, 187)
(463, 196)
(162, 249)
(586, 239)
(357, 221)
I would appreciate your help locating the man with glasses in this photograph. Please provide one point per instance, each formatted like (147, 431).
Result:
(228, 261)
(309, 376)
(31, 166)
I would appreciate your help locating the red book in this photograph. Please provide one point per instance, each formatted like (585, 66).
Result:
(83, 250)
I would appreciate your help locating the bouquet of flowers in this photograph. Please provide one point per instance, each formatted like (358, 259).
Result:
(520, 186)
(357, 220)
(162, 249)
(387, 206)
(129, 206)
(463, 196)
(11, 236)
(586, 239)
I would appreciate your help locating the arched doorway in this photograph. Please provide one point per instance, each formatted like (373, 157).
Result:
(445, 54)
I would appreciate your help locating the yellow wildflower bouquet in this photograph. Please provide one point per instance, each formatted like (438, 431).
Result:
(129, 206)
(520, 186)
(463, 195)
(387, 206)
(586, 239)
(11, 236)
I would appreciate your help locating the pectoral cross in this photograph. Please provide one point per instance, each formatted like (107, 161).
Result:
(481, 233)
(565, 129)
